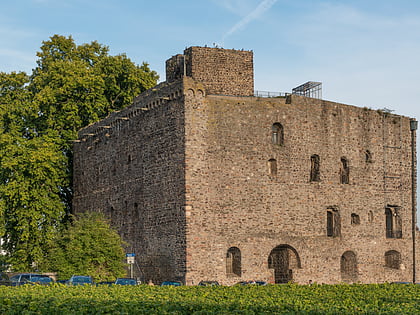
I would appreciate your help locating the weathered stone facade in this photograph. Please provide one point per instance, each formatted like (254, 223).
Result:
(205, 186)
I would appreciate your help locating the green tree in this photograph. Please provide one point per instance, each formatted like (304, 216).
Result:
(71, 87)
(74, 86)
(32, 171)
(88, 247)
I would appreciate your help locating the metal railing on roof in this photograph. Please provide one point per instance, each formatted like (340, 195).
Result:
(270, 94)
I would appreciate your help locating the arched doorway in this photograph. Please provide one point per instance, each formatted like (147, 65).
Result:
(283, 259)
(348, 266)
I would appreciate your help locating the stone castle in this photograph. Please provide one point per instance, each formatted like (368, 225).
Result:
(205, 181)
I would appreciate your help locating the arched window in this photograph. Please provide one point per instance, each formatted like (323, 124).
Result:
(344, 171)
(272, 167)
(392, 259)
(393, 222)
(348, 266)
(315, 174)
(277, 134)
(233, 262)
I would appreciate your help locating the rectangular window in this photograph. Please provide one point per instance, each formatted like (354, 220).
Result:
(330, 223)
(315, 175)
(333, 223)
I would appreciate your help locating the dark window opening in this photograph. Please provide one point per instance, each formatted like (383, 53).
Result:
(233, 262)
(389, 224)
(333, 223)
(393, 222)
(393, 259)
(355, 219)
(315, 174)
(272, 167)
(344, 171)
(277, 134)
(368, 156)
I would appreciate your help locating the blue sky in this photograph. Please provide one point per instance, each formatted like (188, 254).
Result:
(365, 52)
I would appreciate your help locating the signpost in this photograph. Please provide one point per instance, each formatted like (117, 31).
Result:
(130, 260)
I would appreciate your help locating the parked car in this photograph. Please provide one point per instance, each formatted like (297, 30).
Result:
(4, 279)
(80, 280)
(28, 278)
(173, 283)
(251, 282)
(126, 281)
(44, 280)
(208, 283)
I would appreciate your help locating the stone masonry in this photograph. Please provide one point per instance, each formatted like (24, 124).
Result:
(204, 181)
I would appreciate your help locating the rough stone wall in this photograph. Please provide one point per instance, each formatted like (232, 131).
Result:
(221, 71)
(234, 202)
(175, 68)
(130, 167)
(184, 176)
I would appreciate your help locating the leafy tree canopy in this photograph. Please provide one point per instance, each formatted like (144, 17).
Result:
(88, 247)
(71, 87)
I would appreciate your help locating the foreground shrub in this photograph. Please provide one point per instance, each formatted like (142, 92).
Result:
(271, 299)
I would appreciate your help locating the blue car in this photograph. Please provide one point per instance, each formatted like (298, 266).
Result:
(80, 280)
(126, 281)
(172, 283)
(28, 278)
(45, 280)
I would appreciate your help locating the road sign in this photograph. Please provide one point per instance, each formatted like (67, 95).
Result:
(130, 258)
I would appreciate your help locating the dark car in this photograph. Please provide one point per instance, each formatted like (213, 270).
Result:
(4, 279)
(208, 283)
(126, 281)
(44, 280)
(28, 278)
(80, 280)
(172, 283)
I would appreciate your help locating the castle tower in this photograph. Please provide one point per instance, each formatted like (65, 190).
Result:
(222, 71)
(205, 182)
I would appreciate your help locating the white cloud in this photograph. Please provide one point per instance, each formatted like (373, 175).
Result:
(253, 15)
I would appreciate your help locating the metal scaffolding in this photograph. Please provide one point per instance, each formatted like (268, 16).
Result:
(309, 89)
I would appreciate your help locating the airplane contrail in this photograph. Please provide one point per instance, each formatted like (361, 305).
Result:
(256, 13)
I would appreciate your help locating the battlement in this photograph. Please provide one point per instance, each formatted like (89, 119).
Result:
(221, 71)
